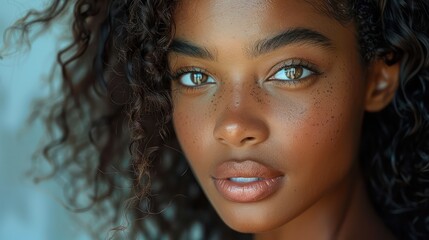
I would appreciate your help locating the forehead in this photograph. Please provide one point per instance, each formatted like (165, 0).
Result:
(213, 20)
(341, 10)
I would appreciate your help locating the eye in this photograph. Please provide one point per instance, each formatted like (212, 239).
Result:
(195, 79)
(291, 73)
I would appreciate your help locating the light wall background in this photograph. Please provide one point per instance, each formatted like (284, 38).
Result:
(27, 211)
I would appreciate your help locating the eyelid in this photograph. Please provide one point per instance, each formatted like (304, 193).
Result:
(185, 70)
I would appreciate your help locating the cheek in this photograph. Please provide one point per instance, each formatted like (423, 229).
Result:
(190, 123)
(324, 135)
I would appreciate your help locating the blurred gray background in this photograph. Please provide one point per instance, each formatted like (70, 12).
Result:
(27, 211)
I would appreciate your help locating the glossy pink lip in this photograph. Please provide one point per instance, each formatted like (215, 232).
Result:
(262, 181)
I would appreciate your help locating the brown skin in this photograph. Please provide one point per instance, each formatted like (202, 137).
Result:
(308, 129)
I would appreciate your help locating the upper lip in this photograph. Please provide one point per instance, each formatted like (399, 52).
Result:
(245, 168)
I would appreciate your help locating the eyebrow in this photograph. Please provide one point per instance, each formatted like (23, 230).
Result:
(291, 36)
(190, 49)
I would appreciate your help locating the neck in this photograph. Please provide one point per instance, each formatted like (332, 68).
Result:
(345, 213)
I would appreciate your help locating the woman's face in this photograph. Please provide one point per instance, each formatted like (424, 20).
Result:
(268, 105)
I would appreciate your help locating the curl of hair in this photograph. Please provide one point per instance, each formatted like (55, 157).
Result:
(395, 146)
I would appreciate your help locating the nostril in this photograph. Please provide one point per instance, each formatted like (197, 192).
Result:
(247, 139)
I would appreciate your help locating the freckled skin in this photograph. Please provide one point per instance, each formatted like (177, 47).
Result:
(309, 132)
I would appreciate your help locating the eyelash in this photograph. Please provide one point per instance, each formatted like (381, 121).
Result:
(185, 70)
(306, 65)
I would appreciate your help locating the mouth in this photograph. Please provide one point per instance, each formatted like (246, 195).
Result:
(246, 181)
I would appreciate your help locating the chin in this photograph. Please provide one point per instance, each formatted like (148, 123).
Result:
(251, 226)
(251, 221)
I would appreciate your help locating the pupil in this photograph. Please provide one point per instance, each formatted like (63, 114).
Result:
(197, 78)
(293, 72)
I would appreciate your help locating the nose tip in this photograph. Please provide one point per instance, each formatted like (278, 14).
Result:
(241, 132)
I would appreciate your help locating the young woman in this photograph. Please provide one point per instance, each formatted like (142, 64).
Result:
(299, 119)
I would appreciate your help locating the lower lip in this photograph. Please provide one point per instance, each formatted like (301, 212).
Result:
(245, 192)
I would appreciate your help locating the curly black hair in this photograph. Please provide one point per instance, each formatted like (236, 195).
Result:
(115, 93)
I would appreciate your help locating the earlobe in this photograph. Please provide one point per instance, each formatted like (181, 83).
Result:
(382, 82)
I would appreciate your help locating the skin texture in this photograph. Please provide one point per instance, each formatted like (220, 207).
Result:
(309, 129)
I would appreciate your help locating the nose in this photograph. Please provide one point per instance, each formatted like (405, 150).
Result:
(239, 129)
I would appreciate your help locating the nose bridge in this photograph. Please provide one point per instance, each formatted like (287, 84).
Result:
(240, 97)
(240, 121)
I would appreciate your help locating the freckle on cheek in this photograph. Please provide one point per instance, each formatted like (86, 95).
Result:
(213, 103)
(255, 94)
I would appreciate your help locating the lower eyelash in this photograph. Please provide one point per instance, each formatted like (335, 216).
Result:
(294, 83)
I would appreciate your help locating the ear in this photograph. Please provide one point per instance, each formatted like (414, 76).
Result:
(382, 82)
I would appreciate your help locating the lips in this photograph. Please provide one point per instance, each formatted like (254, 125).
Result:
(246, 181)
